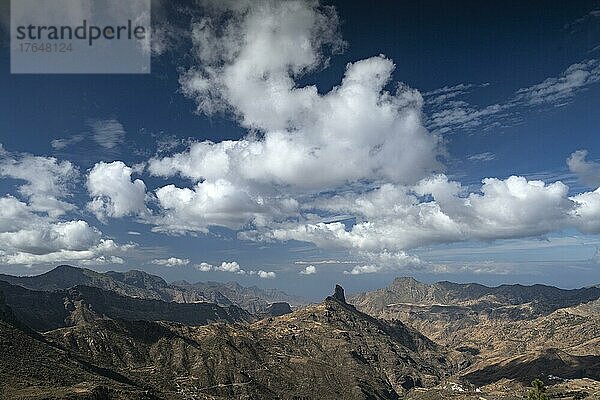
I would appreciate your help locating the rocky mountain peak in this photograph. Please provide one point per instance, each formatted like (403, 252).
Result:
(338, 295)
(406, 280)
(64, 267)
(65, 271)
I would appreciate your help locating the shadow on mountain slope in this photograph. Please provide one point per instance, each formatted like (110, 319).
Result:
(550, 362)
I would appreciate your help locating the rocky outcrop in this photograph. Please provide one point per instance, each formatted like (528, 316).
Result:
(45, 311)
(325, 351)
(339, 294)
(142, 285)
(253, 299)
(504, 328)
(277, 309)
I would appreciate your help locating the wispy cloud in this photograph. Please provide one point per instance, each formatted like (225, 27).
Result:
(576, 25)
(447, 111)
(108, 133)
(319, 262)
(447, 93)
(59, 144)
(482, 157)
(560, 90)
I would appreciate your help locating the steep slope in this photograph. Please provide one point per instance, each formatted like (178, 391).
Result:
(51, 310)
(31, 368)
(528, 301)
(517, 332)
(252, 299)
(453, 313)
(131, 283)
(146, 286)
(326, 351)
(546, 364)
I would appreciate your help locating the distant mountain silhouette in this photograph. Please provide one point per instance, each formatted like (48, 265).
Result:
(44, 311)
(146, 286)
(541, 299)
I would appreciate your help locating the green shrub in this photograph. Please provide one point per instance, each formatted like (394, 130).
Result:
(538, 391)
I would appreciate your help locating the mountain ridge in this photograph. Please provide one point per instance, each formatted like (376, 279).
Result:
(44, 311)
(512, 331)
(545, 299)
(135, 283)
(443, 340)
(327, 351)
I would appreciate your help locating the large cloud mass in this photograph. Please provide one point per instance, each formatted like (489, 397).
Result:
(356, 131)
(437, 210)
(351, 168)
(304, 139)
(301, 142)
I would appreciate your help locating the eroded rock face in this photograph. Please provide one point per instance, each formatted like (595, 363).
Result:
(142, 285)
(339, 294)
(45, 311)
(503, 328)
(278, 309)
(324, 351)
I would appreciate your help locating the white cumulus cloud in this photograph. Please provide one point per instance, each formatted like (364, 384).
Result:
(300, 141)
(266, 274)
(47, 181)
(587, 171)
(218, 203)
(231, 266)
(204, 267)
(113, 192)
(171, 262)
(234, 268)
(392, 219)
(29, 238)
(309, 270)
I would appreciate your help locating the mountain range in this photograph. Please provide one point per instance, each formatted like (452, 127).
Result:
(143, 285)
(513, 331)
(74, 333)
(44, 311)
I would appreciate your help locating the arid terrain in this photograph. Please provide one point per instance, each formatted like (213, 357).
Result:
(76, 334)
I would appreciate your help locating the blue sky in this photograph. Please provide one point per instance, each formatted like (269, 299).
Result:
(250, 157)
